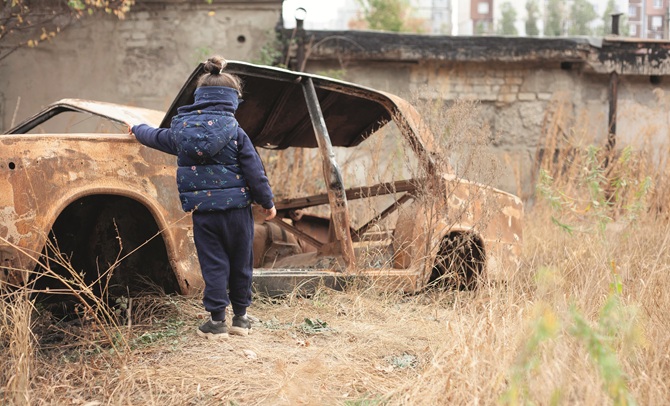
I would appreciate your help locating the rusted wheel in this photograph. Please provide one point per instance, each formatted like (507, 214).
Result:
(459, 263)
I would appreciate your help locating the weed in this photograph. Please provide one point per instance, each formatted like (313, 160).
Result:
(365, 402)
(587, 201)
(166, 332)
(403, 361)
(599, 348)
(202, 53)
(598, 199)
(271, 52)
(274, 324)
(314, 326)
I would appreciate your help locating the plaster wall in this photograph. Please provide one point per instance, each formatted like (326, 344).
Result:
(142, 60)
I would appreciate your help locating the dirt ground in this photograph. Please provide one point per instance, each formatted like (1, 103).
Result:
(331, 348)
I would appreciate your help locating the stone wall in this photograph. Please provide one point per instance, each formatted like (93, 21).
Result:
(516, 100)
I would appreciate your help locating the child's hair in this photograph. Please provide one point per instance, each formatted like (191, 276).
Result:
(215, 76)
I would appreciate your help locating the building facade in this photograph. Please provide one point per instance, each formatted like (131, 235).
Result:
(481, 12)
(474, 17)
(648, 18)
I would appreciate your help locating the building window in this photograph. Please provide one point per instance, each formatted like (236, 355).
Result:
(632, 11)
(658, 3)
(483, 7)
(656, 22)
(633, 30)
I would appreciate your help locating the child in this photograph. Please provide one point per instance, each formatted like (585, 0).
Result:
(219, 174)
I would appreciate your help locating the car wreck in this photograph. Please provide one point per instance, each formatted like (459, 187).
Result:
(99, 200)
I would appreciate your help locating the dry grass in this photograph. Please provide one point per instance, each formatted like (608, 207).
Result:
(18, 348)
(368, 347)
(582, 321)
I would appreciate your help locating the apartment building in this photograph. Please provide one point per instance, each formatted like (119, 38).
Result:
(474, 17)
(481, 13)
(648, 18)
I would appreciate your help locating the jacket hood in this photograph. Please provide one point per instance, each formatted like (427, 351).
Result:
(202, 134)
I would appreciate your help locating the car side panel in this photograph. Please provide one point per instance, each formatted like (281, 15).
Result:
(41, 175)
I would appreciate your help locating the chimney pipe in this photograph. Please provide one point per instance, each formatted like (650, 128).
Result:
(615, 23)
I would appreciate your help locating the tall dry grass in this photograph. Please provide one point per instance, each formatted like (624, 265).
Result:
(18, 344)
(582, 321)
(519, 343)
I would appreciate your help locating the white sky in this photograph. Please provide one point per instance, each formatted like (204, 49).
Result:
(323, 12)
(317, 10)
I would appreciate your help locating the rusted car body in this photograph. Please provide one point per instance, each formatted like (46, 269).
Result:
(100, 199)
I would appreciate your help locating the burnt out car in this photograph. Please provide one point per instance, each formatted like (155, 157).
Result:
(353, 207)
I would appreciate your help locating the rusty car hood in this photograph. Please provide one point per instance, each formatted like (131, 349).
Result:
(274, 113)
(123, 114)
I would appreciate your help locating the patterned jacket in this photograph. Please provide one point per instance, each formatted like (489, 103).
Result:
(218, 167)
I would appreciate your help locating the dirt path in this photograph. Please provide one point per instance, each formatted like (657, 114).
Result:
(333, 348)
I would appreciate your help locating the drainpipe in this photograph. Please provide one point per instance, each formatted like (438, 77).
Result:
(611, 125)
(616, 17)
(613, 100)
(300, 14)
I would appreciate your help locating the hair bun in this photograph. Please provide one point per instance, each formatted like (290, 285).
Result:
(215, 64)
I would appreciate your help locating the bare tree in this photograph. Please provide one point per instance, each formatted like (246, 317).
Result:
(508, 20)
(27, 23)
(582, 14)
(532, 9)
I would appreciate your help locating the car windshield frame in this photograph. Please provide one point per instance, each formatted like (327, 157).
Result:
(117, 113)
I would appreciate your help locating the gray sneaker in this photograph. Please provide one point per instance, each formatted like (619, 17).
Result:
(241, 326)
(212, 331)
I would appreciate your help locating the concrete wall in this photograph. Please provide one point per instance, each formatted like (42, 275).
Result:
(142, 60)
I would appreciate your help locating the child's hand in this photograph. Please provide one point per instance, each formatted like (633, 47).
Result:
(270, 213)
(130, 130)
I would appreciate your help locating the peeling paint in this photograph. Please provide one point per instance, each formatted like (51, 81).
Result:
(9, 220)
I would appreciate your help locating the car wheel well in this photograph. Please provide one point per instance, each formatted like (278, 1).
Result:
(99, 232)
(460, 261)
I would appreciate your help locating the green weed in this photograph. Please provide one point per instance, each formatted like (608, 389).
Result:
(314, 326)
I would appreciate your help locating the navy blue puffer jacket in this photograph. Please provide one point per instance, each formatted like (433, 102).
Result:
(218, 167)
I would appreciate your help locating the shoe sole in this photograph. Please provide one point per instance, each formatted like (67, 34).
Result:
(239, 331)
(212, 336)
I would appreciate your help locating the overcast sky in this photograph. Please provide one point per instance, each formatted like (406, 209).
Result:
(317, 10)
(325, 11)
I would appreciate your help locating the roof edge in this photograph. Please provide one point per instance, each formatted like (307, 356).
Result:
(625, 56)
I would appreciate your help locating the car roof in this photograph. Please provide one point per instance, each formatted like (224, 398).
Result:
(274, 112)
(124, 114)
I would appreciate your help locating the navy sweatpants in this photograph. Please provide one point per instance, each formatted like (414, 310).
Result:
(224, 241)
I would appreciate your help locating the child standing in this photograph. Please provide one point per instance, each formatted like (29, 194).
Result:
(219, 174)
